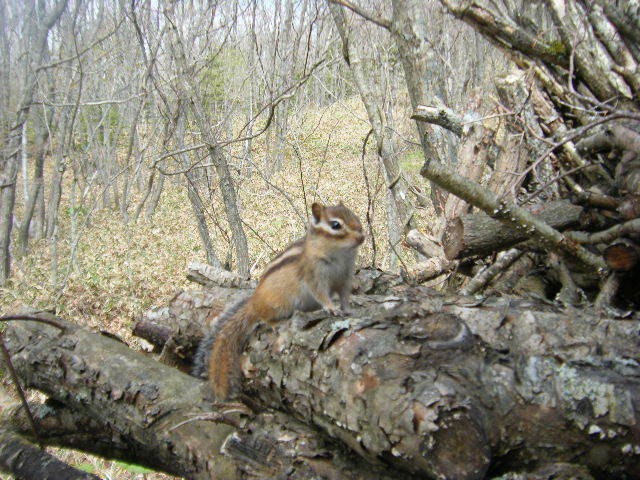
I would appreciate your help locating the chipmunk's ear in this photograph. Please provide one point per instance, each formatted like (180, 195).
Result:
(316, 210)
(340, 204)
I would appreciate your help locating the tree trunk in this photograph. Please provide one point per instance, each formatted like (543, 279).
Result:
(194, 198)
(8, 198)
(27, 461)
(156, 192)
(399, 208)
(41, 142)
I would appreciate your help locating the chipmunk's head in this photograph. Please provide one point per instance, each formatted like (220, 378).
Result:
(337, 224)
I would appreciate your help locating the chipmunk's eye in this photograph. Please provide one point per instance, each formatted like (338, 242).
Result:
(335, 225)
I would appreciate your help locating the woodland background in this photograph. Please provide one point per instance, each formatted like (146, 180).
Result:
(139, 136)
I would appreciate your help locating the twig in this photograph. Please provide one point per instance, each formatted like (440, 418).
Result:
(552, 181)
(369, 201)
(304, 192)
(16, 381)
(606, 236)
(484, 276)
(33, 318)
(381, 22)
(578, 132)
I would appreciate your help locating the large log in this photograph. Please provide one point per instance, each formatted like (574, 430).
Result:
(448, 387)
(479, 234)
(126, 405)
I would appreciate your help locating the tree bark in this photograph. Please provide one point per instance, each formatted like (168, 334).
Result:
(132, 407)
(479, 234)
(446, 387)
(413, 381)
(27, 461)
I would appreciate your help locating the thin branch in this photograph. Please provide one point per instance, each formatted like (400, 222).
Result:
(16, 381)
(381, 22)
(484, 276)
(577, 133)
(369, 200)
(552, 181)
(440, 115)
(91, 103)
(83, 51)
(286, 94)
(609, 235)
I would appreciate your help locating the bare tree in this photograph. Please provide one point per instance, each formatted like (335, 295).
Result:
(38, 25)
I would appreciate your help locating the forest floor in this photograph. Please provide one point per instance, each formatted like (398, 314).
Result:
(122, 270)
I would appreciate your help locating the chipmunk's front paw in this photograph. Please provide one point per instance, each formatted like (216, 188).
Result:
(334, 311)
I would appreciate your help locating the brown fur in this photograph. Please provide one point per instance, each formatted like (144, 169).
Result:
(279, 265)
(303, 280)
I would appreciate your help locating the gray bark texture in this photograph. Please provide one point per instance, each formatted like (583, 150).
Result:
(28, 461)
(414, 382)
(479, 234)
(443, 386)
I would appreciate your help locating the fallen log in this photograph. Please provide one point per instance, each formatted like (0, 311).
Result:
(479, 234)
(163, 417)
(449, 387)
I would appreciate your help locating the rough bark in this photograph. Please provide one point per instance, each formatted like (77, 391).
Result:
(447, 387)
(479, 234)
(163, 417)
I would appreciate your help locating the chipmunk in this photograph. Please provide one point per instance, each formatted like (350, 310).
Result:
(303, 277)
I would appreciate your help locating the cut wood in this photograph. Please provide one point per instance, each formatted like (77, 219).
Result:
(623, 255)
(630, 207)
(479, 234)
(210, 276)
(424, 244)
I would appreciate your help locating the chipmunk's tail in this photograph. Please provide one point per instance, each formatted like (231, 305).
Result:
(219, 352)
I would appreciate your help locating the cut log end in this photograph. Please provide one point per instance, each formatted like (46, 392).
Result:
(630, 207)
(622, 256)
(453, 238)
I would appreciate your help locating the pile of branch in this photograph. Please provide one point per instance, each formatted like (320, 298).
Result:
(562, 175)
(415, 384)
(594, 230)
